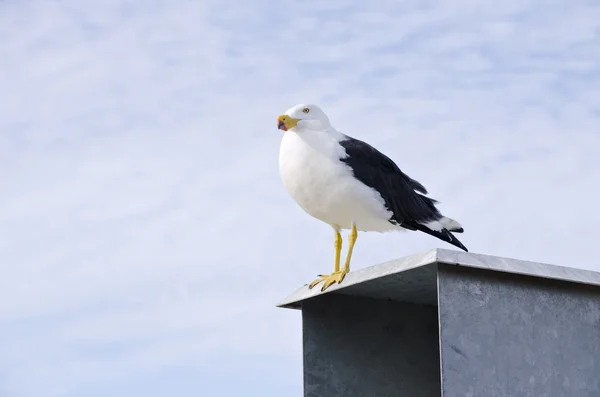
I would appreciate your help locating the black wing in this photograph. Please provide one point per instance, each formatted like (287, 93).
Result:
(400, 192)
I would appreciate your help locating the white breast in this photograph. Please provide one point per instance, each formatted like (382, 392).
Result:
(324, 186)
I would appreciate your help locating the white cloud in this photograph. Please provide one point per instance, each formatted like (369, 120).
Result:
(143, 223)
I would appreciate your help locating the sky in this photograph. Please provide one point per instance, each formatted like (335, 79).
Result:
(145, 234)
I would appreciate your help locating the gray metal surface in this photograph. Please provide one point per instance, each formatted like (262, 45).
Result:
(375, 281)
(361, 347)
(508, 335)
(413, 278)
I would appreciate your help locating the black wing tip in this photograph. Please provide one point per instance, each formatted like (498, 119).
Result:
(461, 246)
(454, 241)
(444, 234)
(450, 238)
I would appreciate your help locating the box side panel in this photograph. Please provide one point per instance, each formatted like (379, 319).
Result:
(508, 335)
(356, 347)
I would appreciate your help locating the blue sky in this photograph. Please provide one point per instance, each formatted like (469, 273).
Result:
(145, 236)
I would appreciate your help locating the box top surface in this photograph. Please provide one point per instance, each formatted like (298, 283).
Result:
(414, 278)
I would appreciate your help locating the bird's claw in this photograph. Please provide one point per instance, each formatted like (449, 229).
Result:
(328, 280)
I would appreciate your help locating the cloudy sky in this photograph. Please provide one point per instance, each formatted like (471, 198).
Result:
(145, 236)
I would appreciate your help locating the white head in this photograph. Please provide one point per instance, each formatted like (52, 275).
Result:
(303, 117)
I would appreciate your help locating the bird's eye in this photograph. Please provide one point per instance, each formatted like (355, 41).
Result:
(306, 110)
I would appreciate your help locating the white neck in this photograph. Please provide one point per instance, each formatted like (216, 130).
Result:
(325, 142)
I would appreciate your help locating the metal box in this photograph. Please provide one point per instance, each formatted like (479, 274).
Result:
(453, 324)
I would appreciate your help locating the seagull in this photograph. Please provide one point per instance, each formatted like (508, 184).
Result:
(350, 185)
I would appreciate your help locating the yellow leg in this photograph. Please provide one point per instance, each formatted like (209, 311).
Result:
(336, 265)
(338, 275)
(351, 240)
(338, 250)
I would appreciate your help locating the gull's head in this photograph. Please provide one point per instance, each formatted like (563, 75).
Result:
(303, 117)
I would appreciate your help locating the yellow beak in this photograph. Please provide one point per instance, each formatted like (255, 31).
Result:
(286, 122)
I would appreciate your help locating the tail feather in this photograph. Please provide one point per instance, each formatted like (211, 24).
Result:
(451, 225)
(443, 234)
